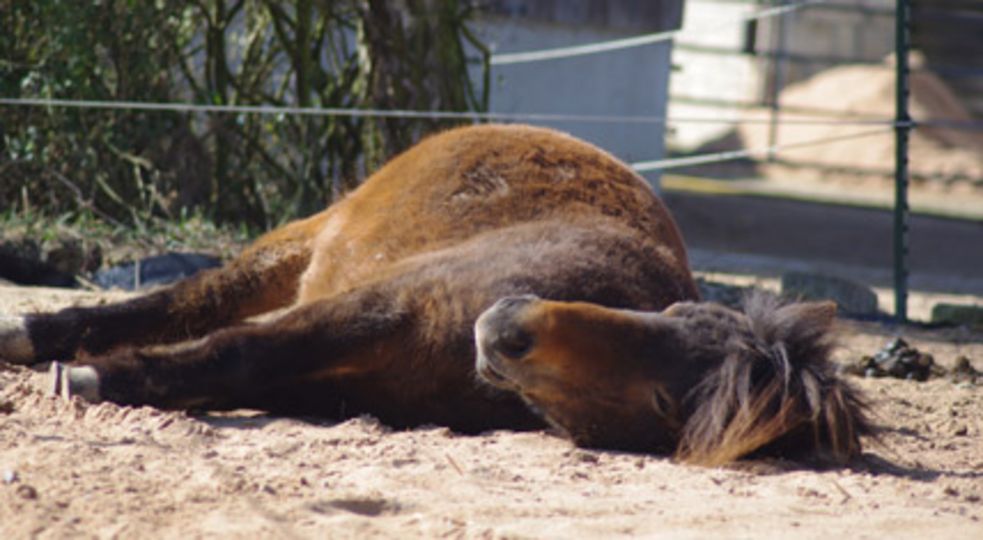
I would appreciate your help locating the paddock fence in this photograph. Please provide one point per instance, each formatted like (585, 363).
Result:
(780, 61)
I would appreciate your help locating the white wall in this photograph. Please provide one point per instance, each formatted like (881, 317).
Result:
(628, 82)
(719, 77)
(816, 31)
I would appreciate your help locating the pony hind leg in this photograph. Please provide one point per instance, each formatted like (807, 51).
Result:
(264, 278)
(269, 365)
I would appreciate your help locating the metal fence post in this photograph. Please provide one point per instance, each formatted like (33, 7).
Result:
(902, 129)
(779, 44)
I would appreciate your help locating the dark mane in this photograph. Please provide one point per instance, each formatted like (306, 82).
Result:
(775, 391)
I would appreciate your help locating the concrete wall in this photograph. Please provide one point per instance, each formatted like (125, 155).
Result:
(712, 76)
(950, 35)
(863, 34)
(627, 82)
(620, 15)
(714, 64)
(630, 82)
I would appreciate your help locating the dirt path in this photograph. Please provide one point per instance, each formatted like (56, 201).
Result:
(74, 470)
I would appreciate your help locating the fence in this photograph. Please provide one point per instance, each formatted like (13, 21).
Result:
(960, 20)
(901, 122)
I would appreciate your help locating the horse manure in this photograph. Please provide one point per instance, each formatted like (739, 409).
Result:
(900, 360)
(964, 372)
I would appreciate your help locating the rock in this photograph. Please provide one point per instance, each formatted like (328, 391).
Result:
(964, 372)
(152, 271)
(729, 295)
(27, 492)
(65, 255)
(53, 262)
(850, 297)
(21, 263)
(960, 314)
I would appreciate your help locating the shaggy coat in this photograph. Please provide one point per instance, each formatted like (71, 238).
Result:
(490, 277)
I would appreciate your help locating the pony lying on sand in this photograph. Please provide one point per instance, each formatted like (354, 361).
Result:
(490, 277)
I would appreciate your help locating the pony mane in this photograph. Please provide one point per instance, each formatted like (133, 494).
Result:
(775, 391)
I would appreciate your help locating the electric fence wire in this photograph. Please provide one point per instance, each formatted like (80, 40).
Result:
(731, 155)
(467, 115)
(639, 41)
(541, 55)
(405, 113)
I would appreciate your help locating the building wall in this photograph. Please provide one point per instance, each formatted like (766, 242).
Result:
(620, 15)
(722, 65)
(851, 30)
(950, 36)
(711, 69)
(627, 82)
(631, 82)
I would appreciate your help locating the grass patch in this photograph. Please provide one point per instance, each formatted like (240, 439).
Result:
(80, 243)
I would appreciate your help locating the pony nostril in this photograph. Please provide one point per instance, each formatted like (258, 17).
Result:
(513, 343)
(499, 328)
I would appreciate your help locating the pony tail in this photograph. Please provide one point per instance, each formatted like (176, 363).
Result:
(778, 394)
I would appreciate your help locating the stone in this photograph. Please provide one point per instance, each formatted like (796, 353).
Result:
(851, 298)
(154, 271)
(961, 314)
(729, 295)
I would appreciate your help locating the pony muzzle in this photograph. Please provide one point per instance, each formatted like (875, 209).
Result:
(502, 340)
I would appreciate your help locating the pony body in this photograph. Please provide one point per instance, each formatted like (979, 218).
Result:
(591, 321)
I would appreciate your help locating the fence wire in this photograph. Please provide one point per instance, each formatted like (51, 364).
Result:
(885, 125)
(638, 41)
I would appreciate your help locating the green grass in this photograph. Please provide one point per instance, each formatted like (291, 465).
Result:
(80, 242)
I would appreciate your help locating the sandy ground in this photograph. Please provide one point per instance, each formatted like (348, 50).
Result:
(75, 470)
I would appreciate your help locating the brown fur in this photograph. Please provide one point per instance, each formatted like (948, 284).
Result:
(384, 288)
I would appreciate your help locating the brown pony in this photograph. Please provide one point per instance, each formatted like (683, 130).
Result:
(544, 254)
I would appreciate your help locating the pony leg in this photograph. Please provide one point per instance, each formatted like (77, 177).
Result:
(277, 365)
(265, 277)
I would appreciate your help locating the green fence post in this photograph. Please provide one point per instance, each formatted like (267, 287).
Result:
(902, 128)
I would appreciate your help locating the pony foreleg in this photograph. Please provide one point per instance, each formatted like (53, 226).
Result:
(262, 279)
(248, 365)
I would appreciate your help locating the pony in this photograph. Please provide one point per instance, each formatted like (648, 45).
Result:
(490, 277)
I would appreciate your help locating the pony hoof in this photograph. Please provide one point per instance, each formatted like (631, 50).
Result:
(67, 381)
(15, 344)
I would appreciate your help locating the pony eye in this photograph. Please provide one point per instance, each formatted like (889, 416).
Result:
(514, 343)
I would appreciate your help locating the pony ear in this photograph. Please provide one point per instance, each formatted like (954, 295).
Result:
(819, 315)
